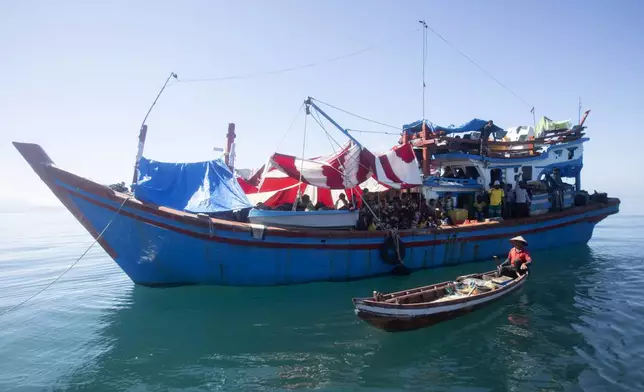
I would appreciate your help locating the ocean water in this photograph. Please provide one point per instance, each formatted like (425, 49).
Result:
(577, 325)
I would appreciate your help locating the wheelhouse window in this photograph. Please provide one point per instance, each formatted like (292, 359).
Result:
(571, 153)
(526, 173)
(495, 175)
(472, 172)
(454, 171)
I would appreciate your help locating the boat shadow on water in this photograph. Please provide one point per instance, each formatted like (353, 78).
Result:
(308, 336)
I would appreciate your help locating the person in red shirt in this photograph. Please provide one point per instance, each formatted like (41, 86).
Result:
(518, 259)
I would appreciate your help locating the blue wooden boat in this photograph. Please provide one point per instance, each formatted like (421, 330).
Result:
(158, 241)
(161, 246)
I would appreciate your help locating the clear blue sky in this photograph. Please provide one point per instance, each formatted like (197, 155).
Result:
(79, 76)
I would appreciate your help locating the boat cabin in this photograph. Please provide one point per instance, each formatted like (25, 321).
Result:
(548, 160)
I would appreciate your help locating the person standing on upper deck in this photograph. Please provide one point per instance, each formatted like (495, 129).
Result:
(486, 131)
(496, 200)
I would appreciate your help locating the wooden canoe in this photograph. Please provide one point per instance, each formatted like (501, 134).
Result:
(428, 305)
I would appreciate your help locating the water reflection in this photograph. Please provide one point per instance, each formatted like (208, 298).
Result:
(544, 336)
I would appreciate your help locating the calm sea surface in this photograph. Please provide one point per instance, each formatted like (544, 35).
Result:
(578, 324)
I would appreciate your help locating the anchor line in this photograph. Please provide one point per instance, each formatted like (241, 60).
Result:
(98, 237)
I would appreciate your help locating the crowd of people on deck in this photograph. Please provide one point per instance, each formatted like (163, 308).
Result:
(504, 201)
(402, 212)
(413, 211)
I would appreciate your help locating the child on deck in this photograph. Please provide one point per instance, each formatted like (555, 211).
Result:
(479, 208)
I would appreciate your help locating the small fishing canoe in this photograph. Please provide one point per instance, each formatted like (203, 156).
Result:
(428, 305)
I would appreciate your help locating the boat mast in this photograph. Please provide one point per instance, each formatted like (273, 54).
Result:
(309, 103)
(229, 154)
(422, 22)
(144, 128)
(426, 153)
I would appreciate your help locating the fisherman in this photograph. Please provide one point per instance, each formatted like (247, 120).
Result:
(342, 203)
(496, 200)
(486, 131)
(518, 260)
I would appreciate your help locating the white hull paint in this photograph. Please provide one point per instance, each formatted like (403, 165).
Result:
(436, 310)
(322, 219)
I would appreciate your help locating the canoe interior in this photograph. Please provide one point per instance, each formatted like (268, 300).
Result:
(463, 286)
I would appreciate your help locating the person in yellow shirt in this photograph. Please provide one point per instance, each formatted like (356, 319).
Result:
(496, 200)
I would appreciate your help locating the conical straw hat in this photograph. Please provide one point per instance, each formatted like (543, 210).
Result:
(519, 239)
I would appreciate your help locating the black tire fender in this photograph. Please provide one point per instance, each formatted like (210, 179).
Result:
(388, 252)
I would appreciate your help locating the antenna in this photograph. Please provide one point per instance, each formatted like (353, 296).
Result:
(422, 22)
(579, 121)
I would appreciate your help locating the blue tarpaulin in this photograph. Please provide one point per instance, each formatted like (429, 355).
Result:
(207, 187)
(471, 126)
(417, 126)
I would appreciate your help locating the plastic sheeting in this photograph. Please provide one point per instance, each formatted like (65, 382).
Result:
(473, 125)
(417, 126)
(207, 187)
(546, 124)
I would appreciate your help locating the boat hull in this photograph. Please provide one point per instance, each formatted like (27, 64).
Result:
(400, 319)
(158, 246)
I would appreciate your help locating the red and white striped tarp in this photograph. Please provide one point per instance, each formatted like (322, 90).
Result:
(351, 166)
(348, 171)
(288, 194)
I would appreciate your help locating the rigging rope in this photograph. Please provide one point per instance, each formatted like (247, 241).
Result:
(73, 264)
(328, 137)
(290, 127)
(358, 116)
(367, 119)
(299, 185)
(298, 67)
(378, 132)
(267, 164)
(480, 68)
(357, 160)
